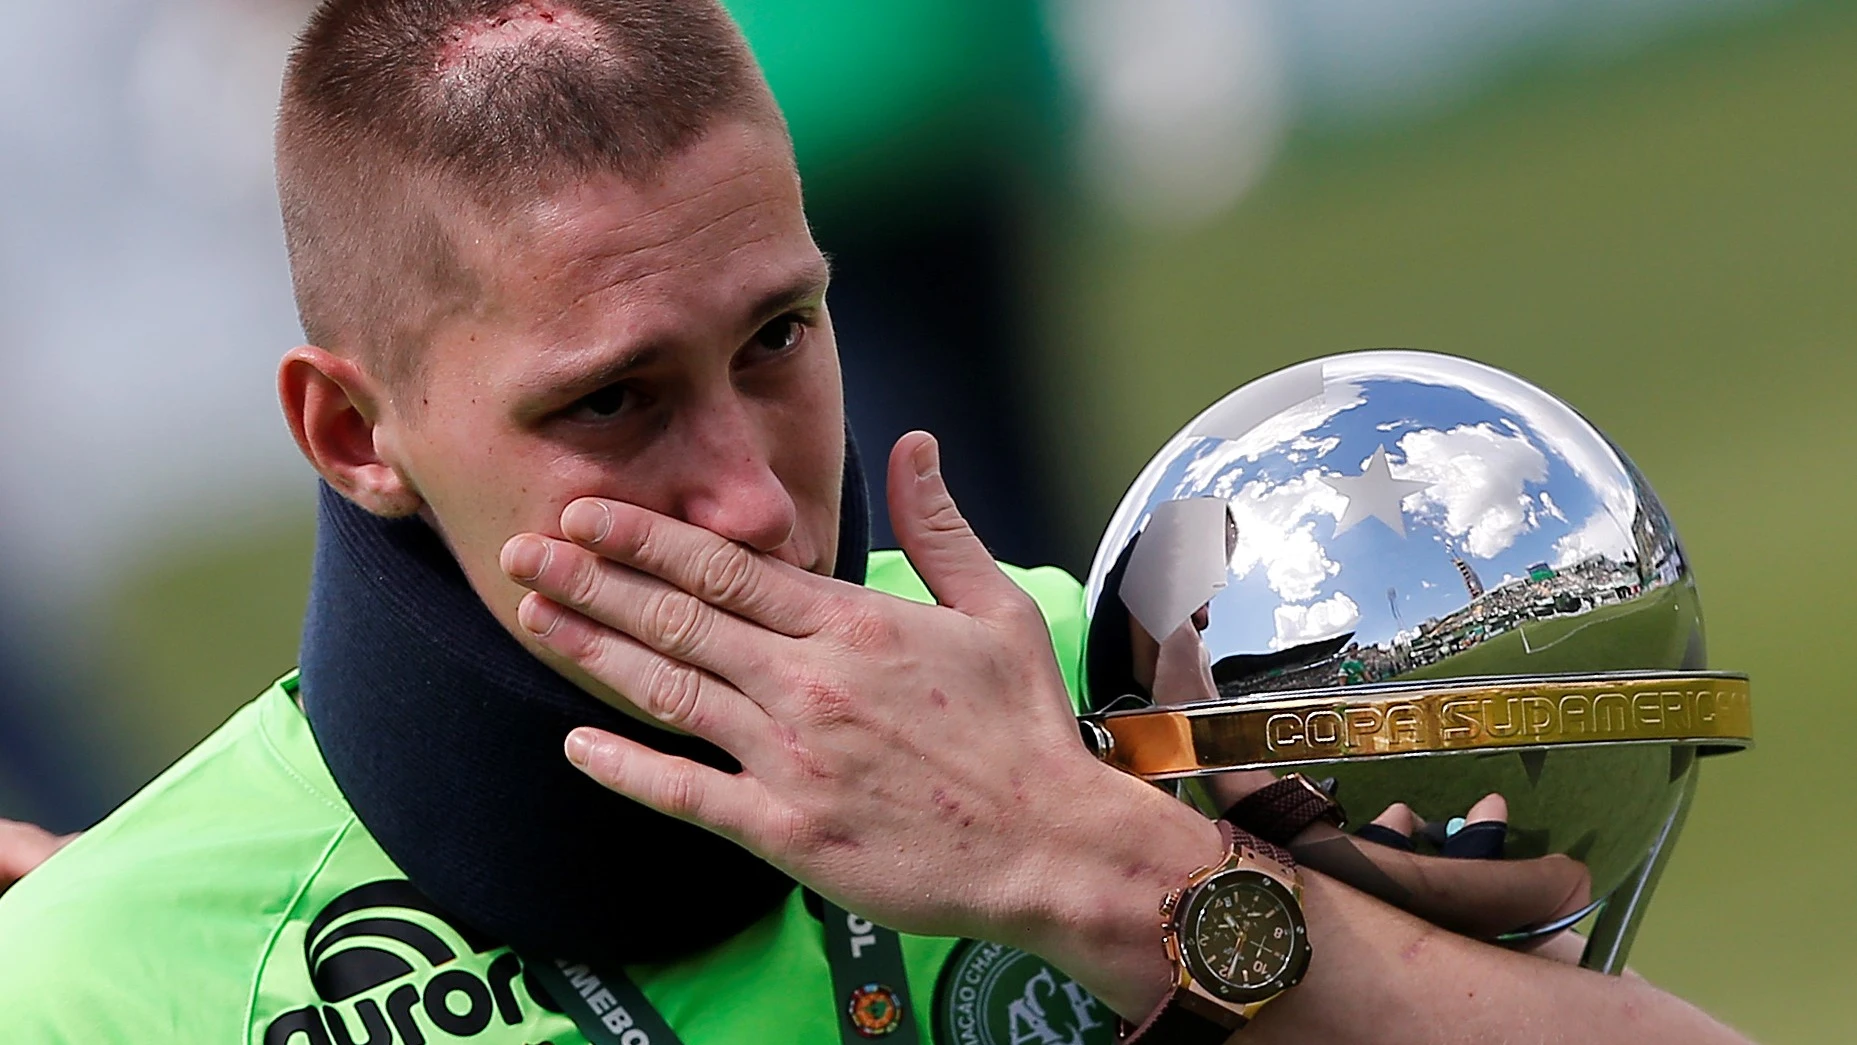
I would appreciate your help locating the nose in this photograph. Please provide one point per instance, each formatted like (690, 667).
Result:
(730, 486)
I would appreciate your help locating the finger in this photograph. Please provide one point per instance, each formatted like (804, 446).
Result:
(1482, 834)
(672, 692)
(718, 571)
(1392, 828)
(1567, 947)
(1380, 834)
(957, 568)
(1483, 840)
(23, 847)
(1490, 807)
(1183, 669)
(730, 804)
(1399, 817)
(664, 617)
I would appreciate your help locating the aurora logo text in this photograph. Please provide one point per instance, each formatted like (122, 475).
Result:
(350, 950)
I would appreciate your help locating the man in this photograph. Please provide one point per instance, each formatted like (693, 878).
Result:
(572, 380)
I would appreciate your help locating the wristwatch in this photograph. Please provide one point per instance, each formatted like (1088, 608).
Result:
(1236, 936)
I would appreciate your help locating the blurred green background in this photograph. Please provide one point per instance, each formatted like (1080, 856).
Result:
(1668, 241)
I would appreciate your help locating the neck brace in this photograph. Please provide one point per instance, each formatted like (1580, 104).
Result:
(445, 735)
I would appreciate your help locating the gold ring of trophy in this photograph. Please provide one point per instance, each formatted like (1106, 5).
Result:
(1707, 710)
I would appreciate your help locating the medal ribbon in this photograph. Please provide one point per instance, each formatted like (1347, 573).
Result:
(605, 1005)
(870, 990)
(869, 979)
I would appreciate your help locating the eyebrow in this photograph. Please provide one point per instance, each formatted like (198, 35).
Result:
(808, 282)
(556, 386)
(569, 381)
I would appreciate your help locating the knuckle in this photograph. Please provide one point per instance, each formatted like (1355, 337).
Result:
(675, 695)
(1022, 612)
(814, 835)
(827, 701)
(628, 534)
(678, 791)
(610, 767)
(728, 574)
(944, 517)
(678, 621)
(582, 584)
(642, 540)
(866, 629)
(580, 644)
(746, 826)
(787, 832)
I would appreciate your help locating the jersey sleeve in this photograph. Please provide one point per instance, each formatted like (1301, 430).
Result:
(107, 968)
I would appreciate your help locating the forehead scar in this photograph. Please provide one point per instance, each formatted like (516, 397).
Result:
(522, 23)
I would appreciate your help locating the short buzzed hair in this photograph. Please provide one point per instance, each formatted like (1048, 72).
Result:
(396, 114)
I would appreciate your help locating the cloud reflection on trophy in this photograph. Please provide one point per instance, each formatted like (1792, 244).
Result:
(1435, 583)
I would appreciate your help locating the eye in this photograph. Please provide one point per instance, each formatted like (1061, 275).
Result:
(780, 335)
(602, 405)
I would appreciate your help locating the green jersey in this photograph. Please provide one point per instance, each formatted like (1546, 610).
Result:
(238, 899)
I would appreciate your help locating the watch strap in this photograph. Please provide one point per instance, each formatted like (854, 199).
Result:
(1270, 851)
(1186, 1018)
(1240, 841)
(1283, 809)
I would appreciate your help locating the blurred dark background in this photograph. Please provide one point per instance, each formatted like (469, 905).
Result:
(1059, 229)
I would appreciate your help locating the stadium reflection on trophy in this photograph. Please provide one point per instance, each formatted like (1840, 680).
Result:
(1430, 581)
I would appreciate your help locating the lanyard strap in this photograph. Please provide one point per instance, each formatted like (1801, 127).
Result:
(870, 990)
(868, 978)
(606, 1005)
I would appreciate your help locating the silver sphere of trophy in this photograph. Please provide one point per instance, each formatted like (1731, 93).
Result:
(1429, 580)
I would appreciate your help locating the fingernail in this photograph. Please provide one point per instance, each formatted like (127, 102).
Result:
(1454, 825)
(587, 520)
(579, 745)
(537, 615)
(927, 459)
(525, 556)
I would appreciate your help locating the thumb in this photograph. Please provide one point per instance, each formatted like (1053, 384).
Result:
(941, 546)
(1183, 670)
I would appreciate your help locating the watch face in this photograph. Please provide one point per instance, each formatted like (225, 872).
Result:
(1242, 936)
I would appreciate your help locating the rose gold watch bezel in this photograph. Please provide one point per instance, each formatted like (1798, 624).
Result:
(1180, 900)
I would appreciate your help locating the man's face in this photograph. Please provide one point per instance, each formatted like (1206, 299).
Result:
(663, 343)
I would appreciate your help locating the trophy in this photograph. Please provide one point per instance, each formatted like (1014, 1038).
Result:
(1431, 581)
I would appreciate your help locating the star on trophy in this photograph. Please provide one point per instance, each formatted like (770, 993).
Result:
(1432, 582)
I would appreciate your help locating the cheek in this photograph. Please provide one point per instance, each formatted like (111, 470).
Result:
(803, 425)
(821, 396)
(480, 479)
(810, 430)
(480, 491)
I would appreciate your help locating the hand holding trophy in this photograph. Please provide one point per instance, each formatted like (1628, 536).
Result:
(1443, 588)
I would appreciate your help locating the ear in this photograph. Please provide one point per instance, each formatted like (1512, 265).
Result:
(335, 414)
